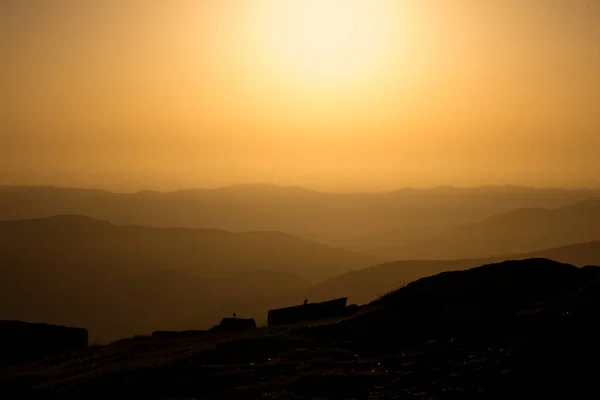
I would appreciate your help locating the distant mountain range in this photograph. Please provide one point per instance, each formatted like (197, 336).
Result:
(379, 224)
(122, 280)
(522, 230)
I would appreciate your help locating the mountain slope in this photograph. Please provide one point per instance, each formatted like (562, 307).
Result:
(67, 240)
(122, 280)
(365, 285)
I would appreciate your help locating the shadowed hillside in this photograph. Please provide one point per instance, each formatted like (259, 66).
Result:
(77, 240)
(514, 329)
(122, 280)
(365, 285)
(367, 222)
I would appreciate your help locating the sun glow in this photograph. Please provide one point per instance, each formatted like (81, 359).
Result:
(329, 39)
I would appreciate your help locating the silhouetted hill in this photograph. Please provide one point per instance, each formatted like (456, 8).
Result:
(367, 222)
(518, 231)
(516, 283)
(517, 329)
(122, 280)
(456, 301)
(365, 285)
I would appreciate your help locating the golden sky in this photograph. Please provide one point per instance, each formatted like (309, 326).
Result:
(327, 94)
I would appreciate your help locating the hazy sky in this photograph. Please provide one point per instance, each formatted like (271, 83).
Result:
(328, 94)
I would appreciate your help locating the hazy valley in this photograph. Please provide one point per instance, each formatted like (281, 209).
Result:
(61, 268)
(397, 225)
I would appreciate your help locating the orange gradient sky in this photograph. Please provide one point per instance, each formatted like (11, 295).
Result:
(328, 94)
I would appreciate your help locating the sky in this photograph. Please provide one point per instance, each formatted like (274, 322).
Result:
(336, 95)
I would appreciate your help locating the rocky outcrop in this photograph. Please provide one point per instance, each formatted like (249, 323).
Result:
(351, 310)
(24, 341)
(234, 325)
(307, 312)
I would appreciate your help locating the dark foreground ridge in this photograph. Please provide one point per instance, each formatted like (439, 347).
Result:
(517, 329)
(22, 341)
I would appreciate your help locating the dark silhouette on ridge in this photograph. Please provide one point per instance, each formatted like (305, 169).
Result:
(307, 312)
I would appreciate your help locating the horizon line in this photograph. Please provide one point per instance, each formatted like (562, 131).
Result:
(304, 188)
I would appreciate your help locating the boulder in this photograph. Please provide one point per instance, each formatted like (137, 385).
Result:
(307, 312)
(23, 341)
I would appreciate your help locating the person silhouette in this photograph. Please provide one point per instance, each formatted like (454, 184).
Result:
(234, 315)
(305, 301)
